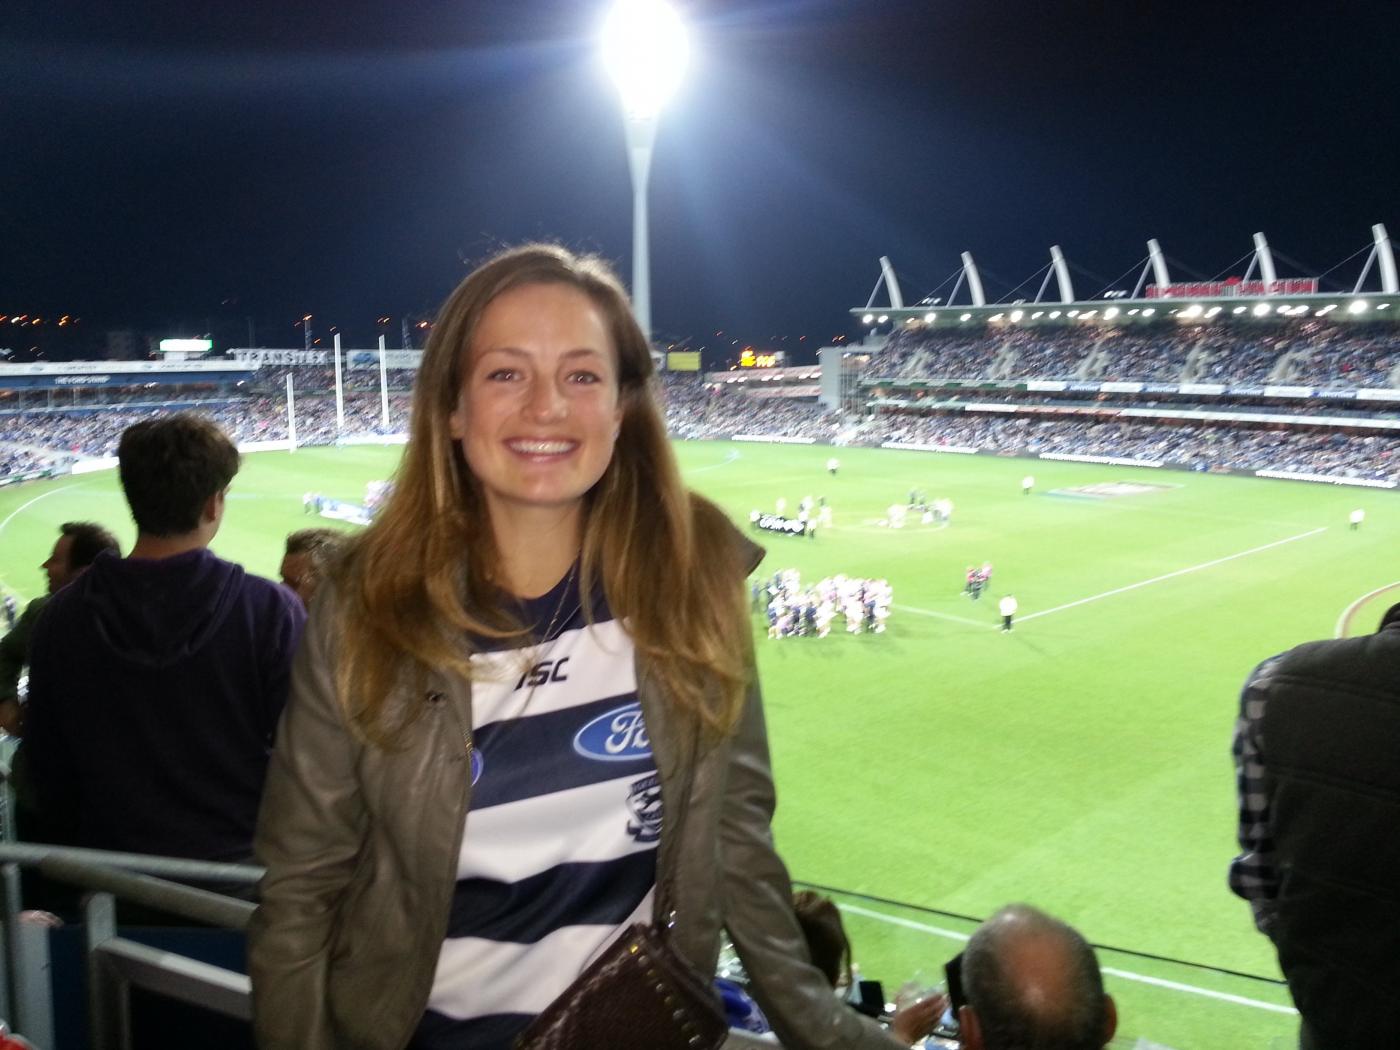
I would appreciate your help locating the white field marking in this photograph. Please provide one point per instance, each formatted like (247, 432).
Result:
(29, 503)
(1172, 575)
(1350, 610)
(1175, 986)
(733, 455)
(943, 616)
(25, 506)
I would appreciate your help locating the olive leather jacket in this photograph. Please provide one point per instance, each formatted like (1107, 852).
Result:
(361, 847)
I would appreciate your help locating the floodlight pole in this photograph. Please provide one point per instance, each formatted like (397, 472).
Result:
(641, 137)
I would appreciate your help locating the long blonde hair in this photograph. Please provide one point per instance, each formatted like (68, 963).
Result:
(418, 580)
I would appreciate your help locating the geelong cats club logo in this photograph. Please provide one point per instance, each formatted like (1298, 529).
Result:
(618, 736)
(644, 804)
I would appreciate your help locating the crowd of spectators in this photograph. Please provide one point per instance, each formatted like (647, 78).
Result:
(1313, 352)
(1200, 446)
(696, 410)
(36, 440)
(94, 433)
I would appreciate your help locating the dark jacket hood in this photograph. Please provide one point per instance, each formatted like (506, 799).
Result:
(155, 612)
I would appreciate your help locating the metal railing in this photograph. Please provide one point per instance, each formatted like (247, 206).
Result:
(115, 964)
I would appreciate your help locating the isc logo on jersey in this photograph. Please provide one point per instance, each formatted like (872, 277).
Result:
(618, 736)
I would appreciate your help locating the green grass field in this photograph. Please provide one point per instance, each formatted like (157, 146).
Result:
(1080, 763)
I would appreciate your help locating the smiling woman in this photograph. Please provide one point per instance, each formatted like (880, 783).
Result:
(525, 716)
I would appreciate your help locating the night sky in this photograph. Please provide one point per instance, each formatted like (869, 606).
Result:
(183, 167)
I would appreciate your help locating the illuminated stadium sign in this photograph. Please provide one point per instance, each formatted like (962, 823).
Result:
(185, 346)
(750, 359)
(1233, 287)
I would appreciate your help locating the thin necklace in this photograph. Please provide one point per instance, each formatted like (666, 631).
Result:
(549, 634)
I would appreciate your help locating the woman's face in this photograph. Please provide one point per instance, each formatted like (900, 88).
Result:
(538, 413)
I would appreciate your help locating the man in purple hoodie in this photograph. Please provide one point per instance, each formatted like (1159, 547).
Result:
(156, 680)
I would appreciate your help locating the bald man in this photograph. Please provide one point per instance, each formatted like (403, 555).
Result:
(1031, 980)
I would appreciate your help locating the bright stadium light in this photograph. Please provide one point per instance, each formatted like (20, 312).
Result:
(1239, 310)
(1054, 314)
(1194, 310)
(965, 317)
(1110, 313)
(1016, 316)
(1358, 306)
(1261, 310)
(1148, 312)
(645, 49)
(1037, 315)
(868, 319)
(1071, 313)
(883, 318)
(930, 318)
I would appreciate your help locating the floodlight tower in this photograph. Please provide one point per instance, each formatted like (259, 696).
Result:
(645, 49)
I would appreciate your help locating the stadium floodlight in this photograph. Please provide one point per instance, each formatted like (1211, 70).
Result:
(1148, 312)
(1110, 313)
(1016, 315)
(645, 49)
(1054, 314)
(930, 318)
(1071, 313)
(1261, 309)
(883, 318)
(1133, 312)
(868, 319)
(965, 317)
(996, 317)
(1383, 306)
(1358, 306)
(1213, 311)
(1239, 310)
(1194, 310)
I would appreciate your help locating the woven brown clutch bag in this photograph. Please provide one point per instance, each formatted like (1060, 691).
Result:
(638, 995)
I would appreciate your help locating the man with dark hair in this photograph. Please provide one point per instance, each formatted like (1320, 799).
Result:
(78, 545)
(156, 740)
(1032, 981)
(1316, 746)
(308, 553)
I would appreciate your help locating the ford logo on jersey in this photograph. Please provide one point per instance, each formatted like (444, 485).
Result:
(618, 736)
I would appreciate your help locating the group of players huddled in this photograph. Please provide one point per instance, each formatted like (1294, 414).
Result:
(794, 610)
